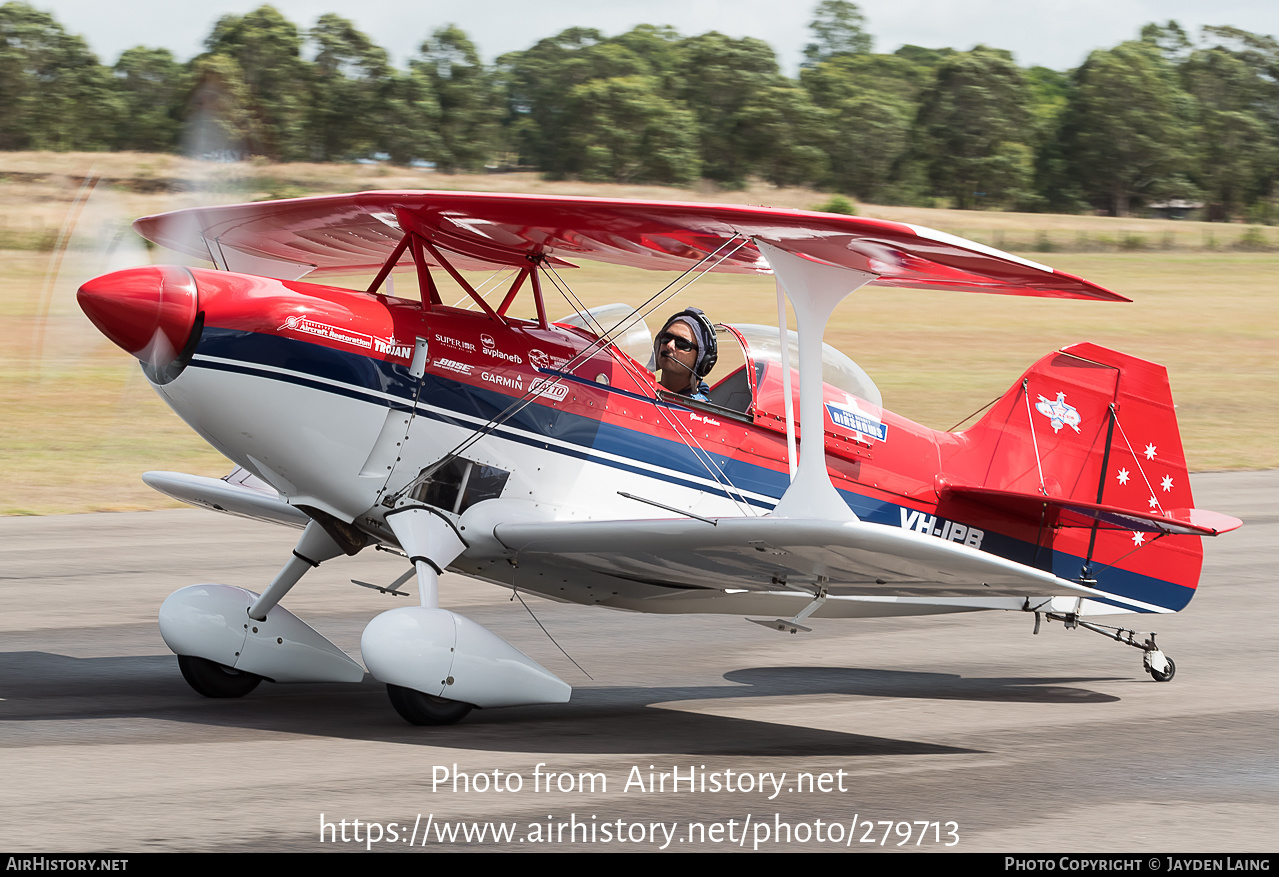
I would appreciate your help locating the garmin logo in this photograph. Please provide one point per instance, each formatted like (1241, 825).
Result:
(512, 382)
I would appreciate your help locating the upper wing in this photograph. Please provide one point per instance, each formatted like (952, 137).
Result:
(357, 233)
(766, 553)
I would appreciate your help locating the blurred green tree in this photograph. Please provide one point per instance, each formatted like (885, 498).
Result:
(972, 131)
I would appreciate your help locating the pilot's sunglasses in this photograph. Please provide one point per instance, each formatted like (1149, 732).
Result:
(680, 343)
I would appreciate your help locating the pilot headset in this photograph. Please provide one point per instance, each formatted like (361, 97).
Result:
(704, 331)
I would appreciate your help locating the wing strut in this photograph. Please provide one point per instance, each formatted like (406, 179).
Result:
(783, 335)
(389, 264)
(537, 298)
(461, 281)
(814, 288)
(514, 290)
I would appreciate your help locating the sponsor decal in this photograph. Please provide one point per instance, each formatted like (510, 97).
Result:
(548, 388)
(453, 365)
(385, 346)
(393, 347)
(513, 382)
(541, 359)
(949, 531)
(851, 417)
(307, 326)
(490, 349)
(455, 344)
(1059, 413)
(709, 421)
(498, 354)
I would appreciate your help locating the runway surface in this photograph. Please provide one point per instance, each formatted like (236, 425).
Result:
(1051, 743)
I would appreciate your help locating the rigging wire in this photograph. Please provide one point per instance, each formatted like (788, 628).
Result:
(536, 389)
(718, 475)
(704, 458)
(515, 595)
(1030, 421)
(974, 414)
(1137, 460)
(479, 289)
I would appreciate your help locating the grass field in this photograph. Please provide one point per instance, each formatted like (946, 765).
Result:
(80, 423)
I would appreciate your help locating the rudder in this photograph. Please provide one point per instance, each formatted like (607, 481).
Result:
(1086, 434)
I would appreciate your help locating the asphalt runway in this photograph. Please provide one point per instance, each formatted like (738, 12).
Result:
(965, 727)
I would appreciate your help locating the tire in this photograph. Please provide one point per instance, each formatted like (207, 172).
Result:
(215, 680)
(1166, 675)
(417, 708)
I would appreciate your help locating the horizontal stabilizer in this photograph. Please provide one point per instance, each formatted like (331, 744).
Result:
(1059, 512)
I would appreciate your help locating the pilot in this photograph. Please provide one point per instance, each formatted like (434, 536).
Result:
(685, 352)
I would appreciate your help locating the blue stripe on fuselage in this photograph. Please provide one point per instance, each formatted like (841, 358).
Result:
(364, 378)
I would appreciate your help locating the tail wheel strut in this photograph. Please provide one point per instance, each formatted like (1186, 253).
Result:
(1154, 661)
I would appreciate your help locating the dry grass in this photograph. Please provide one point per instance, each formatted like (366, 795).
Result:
(79, 422)
(37, 187)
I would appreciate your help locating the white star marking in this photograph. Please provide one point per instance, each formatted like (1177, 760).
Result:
(1166, 483)
(1150, 452)
(1154, 503)
(1138, 538)
(1122, 476)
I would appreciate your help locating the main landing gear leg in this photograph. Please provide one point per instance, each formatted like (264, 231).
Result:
(315, 547)
(438, 664)
(432, 543)
(1154, 661)
(229, 639)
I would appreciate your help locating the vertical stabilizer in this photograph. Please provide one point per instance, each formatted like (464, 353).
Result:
(1086, 427)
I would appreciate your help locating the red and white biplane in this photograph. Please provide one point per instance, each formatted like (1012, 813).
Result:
(544, 455)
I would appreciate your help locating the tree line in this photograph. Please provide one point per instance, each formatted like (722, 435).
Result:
(1161, 117)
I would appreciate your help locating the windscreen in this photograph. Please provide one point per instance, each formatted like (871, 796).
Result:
(837, 369)
(621, 323)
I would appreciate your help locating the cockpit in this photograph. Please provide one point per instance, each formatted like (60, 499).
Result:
(748, 382)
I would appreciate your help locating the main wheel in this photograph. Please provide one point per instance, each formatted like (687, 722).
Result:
(417, 708)
(216, 680)
(1166, 675)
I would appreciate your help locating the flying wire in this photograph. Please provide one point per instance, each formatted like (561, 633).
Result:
(480, 289)
(515, 594)
(685, 433)
(537, 389)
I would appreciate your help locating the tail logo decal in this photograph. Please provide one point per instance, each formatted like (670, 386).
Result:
(1059, 413)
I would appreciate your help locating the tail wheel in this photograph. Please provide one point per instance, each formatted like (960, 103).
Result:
(216, 680)
(417, 708)
(1166, 675)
